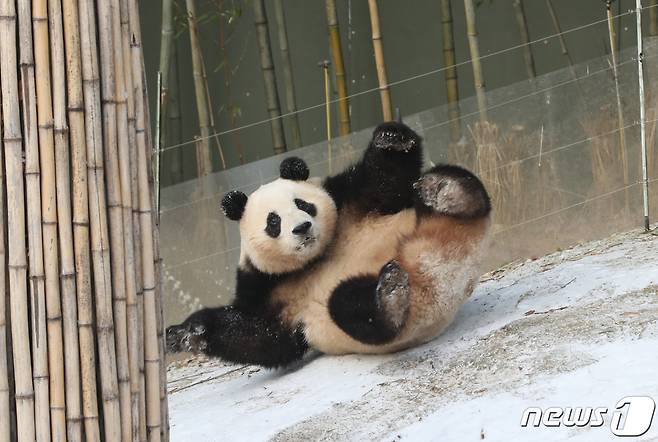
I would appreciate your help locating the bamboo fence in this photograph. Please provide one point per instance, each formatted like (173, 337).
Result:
(81, 354)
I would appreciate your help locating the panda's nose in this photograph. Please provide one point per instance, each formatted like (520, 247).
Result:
(302, 229)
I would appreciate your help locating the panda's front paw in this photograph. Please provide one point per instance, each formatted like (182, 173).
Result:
(186, 337)
(393, 293)
(395, 137)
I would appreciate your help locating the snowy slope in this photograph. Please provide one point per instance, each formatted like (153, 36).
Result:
(575, 328)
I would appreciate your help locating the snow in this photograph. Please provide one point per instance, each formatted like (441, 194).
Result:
(578, 328)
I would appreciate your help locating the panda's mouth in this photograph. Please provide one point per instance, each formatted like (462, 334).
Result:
(305, 242)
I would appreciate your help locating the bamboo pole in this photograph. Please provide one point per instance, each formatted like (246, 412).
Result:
(228, 79)
(16, 250)
(114, 139)
(384, 91)
(449, 62)
(269, 76)
(49, 218)
(519, 12)
(5, 411)
(173, 126)
(563, 43)
(126, 135)
(166, 48)
(78, 146)
(151, 352)
(620, 111)
(65, 230)
(204, 160)
(474, 48)
(653, 17)
(339, 68)
(288, 83)
(34, 224)
(98, 221)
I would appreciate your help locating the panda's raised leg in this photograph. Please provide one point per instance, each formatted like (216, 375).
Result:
(435, 266)
(372, 309)
(381, 181)
(235, 336)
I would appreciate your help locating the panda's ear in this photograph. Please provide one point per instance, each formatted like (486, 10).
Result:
(233, 204)
(294, 168)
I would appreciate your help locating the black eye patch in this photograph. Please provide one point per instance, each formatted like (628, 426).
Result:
(273, 227)
(306, 206)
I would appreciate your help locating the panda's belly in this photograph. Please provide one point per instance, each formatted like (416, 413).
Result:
(362, 246)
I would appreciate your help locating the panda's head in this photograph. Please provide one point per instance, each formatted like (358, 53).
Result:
(284, 224)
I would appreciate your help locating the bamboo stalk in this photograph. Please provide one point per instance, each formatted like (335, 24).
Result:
(653, 17)
(204, 160)
(76, 119)
(474, 48)
(620, 111)
(174, 134)
(34, 223)
(269, 76)
(49, 218)
(560, 36)
(114, 139)
(151, 353)
(126, 135)
(166, 48)
(141, 130)
(449, 62)
(5, 411)
(98, 221)
(519, 12)
(64, 218)
(288, 83)
(16, 250)
(339, 68)
(385, 93)
(228, 79)
(211, 116)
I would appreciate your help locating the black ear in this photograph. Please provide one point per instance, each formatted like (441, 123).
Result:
(294, 168)
(233, 204)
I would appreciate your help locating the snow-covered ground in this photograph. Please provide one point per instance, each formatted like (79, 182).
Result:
(578, 328)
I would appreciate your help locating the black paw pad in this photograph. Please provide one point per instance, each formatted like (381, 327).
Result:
(396, 137)
(393, 293)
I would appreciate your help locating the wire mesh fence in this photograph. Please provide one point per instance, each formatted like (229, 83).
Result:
(560, 156)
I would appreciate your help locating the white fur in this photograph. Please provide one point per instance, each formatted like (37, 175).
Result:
(287, 252)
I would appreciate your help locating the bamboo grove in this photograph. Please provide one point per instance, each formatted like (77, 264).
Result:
(81, 344)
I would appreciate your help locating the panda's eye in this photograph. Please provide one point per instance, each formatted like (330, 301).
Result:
(273, 227)
(306, 206)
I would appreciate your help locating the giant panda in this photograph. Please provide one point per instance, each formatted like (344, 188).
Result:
(374, 260)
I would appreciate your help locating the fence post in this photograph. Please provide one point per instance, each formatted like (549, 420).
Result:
(643, 135)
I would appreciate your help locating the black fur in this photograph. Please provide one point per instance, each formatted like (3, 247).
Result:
(252, 289)
(306, 207)
(273, 225)
(353, 306)
(233, 204)
(381, 181)
(294, 168)
(234, 335)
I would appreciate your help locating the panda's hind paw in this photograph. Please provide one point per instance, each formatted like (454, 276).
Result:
(393, 293)
(188, 337)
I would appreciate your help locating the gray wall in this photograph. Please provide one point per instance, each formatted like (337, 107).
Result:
(412, 45)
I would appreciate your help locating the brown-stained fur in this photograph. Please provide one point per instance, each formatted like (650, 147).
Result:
(440, 253)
